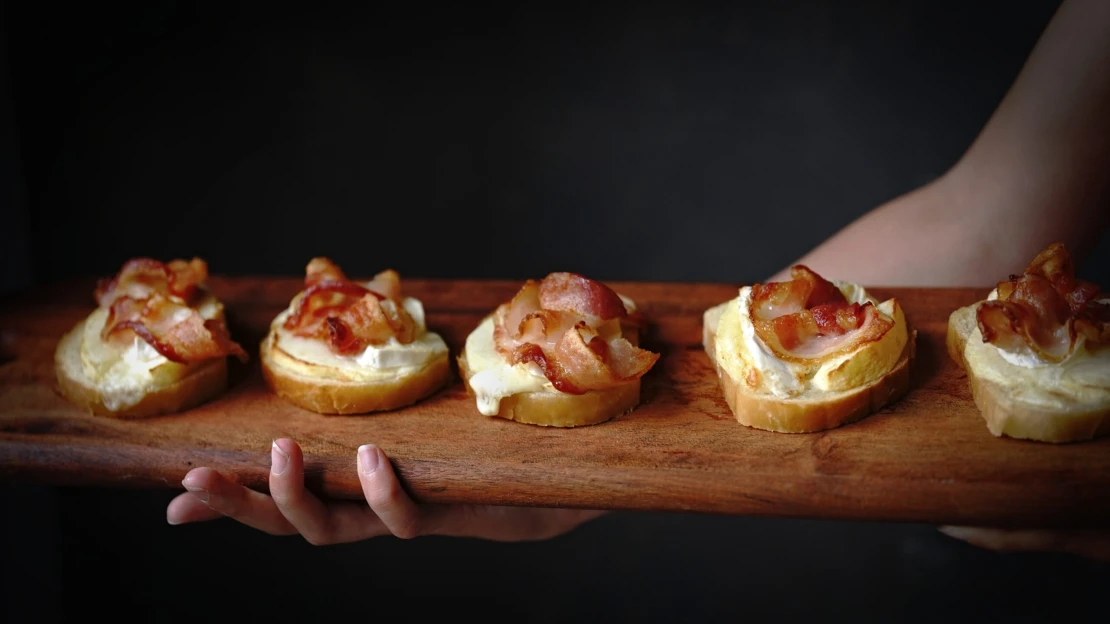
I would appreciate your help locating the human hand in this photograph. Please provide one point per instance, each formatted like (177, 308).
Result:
(290, 509)
(1092, 544)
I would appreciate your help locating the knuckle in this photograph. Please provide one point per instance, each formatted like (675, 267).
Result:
(283, 499)
(227, 503)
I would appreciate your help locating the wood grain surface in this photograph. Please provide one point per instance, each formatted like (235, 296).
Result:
(927, 458)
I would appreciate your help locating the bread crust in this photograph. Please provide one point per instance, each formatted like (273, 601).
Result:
(806, 415)
(551, 408)
(199, 386)
(321, 394)
(1005, 414)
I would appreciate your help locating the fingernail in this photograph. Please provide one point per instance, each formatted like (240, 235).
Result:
(279, 460)
(200, 493)
(368, 457)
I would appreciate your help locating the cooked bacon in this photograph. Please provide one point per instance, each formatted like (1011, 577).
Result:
(348, 315)
(153, 300)
(795, 330)
(321, 300)
(185, 278)
(588, 361)
(801, 337)
(581, 358)
(353, 327)
(510, 317)
(370, 321)
(808, 318)
(1011, 325)
(523, 321)
(1093, 322)
(1083, 296)
(555, 325)
(545, 327)
(1055, 265)
(805, 290)
(140, 277)
(569, 292)
(1045, 309)
(322, 270)
(174, 329)
(387, 284)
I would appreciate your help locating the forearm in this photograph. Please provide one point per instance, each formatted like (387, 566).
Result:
(928, 237)
(949, 233)
(1036, 174)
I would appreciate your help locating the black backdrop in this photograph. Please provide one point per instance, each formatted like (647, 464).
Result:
(656, 142)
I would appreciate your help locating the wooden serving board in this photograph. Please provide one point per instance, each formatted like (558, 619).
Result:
(927, 458)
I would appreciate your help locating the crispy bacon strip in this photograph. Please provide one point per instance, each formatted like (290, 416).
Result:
(1093, 323)
(808, 318)
(558, 325)
(387, 284)
(185, 278)
(511, 316)
(569, 292)
(805, 290)
(321, 300)
(174, 329)
(322, 270)
(141, 277)
(369, 321)
(347, 315)
(1046, 309)
(153, 300)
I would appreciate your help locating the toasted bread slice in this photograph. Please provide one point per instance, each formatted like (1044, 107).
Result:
(1045, 405)
(316, 388)
(199, 384)
(813, 410)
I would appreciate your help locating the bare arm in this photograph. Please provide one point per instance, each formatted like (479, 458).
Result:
(1038, 172)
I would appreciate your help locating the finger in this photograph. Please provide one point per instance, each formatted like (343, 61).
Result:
(251, 508)
(318, 523)
(1094, 544)
(1003, 540)
(186, 508)
(393, 506)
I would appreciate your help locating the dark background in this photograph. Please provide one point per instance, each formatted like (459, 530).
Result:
(653, 142)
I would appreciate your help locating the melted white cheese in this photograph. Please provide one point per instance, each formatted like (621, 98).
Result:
(125, 375)
(779, 376)
(493, 378)
(124, 383)
(391, 358)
